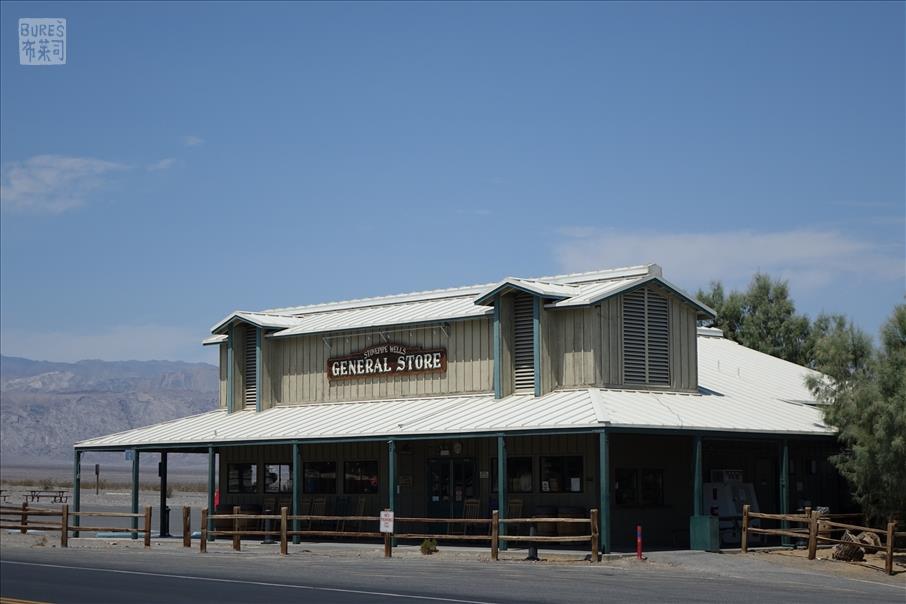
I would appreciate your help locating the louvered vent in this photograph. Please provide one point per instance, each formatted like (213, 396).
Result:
(646, 336)
(524, 338)
(250, 381)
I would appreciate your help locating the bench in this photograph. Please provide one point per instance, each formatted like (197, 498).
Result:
(55, 495)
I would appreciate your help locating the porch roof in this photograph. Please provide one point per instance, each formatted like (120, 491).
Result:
(742, 391)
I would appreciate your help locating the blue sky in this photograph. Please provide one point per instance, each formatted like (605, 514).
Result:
(192, 159)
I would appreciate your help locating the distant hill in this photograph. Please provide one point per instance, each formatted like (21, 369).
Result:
(45, 406)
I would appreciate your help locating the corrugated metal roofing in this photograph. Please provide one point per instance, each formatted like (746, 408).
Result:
(215, 339)
(260, 319)
(742, 391)
(541, 288)
(443, 309)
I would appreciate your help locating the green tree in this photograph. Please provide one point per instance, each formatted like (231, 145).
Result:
(865, 394)
(763, 318)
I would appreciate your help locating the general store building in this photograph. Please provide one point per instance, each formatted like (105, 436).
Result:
(538, 396)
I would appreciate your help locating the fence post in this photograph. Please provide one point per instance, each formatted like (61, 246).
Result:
(284, 546)
(744, 538)
(594, 536)
(813, 535)
(24, 520)
(64, 526)
(203, 542)
(891, 536)
(148, 525)
(495, 534)
(236, 544)
(186, 526)
(388, 549)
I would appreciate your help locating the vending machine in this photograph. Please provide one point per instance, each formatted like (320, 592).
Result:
(724, 497)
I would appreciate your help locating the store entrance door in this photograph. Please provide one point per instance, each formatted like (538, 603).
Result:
(450, 483)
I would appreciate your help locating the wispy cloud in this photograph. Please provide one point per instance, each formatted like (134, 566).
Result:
(192, 141)
(163, 164)
(811, 259)
(124, 342)
(52, 183)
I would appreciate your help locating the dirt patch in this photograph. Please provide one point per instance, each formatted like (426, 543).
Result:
(871, 568)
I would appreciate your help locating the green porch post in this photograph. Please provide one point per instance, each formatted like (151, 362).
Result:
(136, 455)
(76, 489)
(704, 530)
(211, 510)
(164, 516)
(785, 488)
(604, 490)
(501, 487)
(697, 475)
(391, 479)
(297, 489)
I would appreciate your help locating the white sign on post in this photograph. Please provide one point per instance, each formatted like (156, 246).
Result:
(386, 521)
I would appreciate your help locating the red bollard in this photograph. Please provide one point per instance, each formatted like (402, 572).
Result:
(638, 541)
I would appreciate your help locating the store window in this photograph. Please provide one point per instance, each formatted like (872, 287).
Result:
(518, 474)
(361, 477)
(242, 478)
(561, 474)
(278, 478)
(640, 487)
(320, 477)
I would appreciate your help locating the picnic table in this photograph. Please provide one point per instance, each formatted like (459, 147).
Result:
(4, 495)
(55, 495)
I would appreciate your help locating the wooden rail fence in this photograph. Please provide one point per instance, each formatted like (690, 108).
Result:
(819, 528)
(23, 513)
(284, 519)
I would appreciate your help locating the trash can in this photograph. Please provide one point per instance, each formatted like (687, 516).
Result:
(704, 533)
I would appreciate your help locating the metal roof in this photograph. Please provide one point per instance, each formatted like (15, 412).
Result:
(534, 286)
(260, 319)
(443, 309)
(742, 390)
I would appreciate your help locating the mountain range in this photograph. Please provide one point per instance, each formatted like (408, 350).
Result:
(45, 406)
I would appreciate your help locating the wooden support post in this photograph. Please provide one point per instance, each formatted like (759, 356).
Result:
(64, 526)
(495, 533)
(888, 551)
(23, 521)
(813, 535)
(203, 542)
(284, 546)
(236, 540)
(744, 536)
(388, 549)
(147, 526)
(594, 536)
(77, 489)
(211, 487)
(297, 489)
(186, 526)
(135, 491)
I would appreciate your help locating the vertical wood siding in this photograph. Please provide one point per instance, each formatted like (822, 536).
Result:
(224, 384)
(297, 365)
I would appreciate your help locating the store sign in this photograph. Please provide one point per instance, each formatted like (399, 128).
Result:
(386, 360)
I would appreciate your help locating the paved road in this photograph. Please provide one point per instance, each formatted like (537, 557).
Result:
(65, 576)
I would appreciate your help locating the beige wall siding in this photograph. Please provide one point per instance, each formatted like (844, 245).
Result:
(298, 374)
(224, 383)
(683, 346)
(584, 346)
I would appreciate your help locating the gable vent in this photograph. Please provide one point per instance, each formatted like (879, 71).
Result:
(524, 344)
(250, 378)
(646, 338)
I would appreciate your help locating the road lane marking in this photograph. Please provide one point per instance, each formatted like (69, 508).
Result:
(257, 583)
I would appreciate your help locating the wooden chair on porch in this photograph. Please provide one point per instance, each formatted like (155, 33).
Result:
(470, 511)
(360, 511)
(514, 510)
(318, 508)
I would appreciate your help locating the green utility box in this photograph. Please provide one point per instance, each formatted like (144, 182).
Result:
(704, 533)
